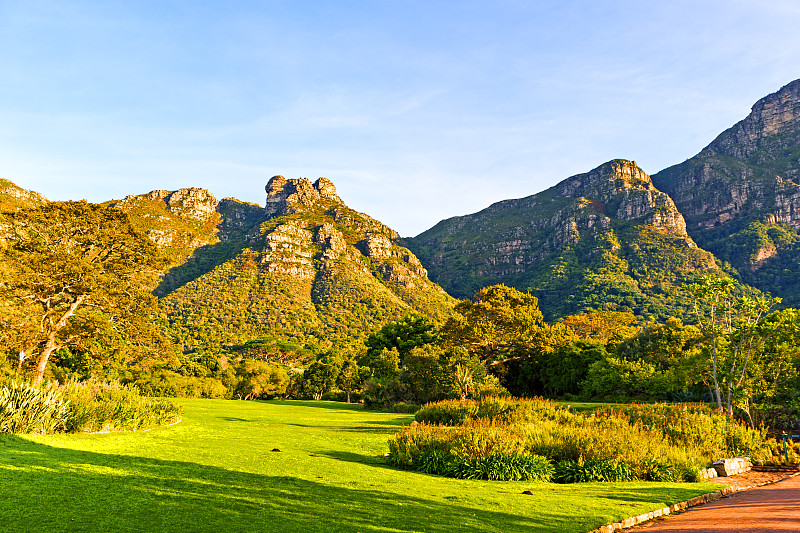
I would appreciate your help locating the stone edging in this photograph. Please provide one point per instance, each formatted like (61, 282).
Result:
(705, 498)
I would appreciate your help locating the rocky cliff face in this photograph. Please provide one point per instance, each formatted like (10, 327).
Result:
(609, 229)
(180, 222)
(312, 268)
(741, 194)
(770, 127)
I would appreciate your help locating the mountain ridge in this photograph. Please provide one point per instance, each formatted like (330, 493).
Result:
(594, 230)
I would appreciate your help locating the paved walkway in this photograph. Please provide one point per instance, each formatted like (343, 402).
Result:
(774, 508)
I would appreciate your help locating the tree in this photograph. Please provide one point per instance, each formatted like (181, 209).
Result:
(350, 376)
(734, 330)
(259, 379)
(76, 269)
(603, 326)
(403, 335)
(424, 374)
(464, 371)
(321, 376)
(500, 325)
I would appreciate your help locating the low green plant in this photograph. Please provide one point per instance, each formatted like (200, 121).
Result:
(26, 408)
(100, 406)
(569, 471)
(80, 407)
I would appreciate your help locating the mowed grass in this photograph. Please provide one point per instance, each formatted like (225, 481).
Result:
(215, 471)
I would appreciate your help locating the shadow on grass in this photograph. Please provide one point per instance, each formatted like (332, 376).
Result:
(337, 406)
(389, 430)
(43, 488)
(350, 457)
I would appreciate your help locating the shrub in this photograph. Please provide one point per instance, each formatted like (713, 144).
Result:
(80, 406)
(174, 385)
(476, 451)
(618, 443)
(569, 471)
(97, 406)
(27, 408)
(694, 426)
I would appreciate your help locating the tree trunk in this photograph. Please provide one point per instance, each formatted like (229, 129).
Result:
(716, 382)
(51, 346)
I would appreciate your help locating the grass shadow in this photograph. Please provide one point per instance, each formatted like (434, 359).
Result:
(44, 488)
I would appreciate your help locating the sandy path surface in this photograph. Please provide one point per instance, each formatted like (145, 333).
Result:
(773, 508)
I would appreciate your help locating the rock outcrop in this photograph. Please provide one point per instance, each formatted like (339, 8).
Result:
(609, 229)
(312, 269)
(13, 197)
(741, 194)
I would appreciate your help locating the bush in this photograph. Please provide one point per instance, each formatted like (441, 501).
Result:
(174, 385)
(694, 426)
(569, 471)
(27, 408)
(80, 406)
(617, 443)
(95, 406)
(477, 451)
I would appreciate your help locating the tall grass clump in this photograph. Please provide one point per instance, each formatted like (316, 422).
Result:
(480, 449)
(654, 443)
(498, 408)
(697, 426)
(27, 408)
(99, 406)
(80, 407)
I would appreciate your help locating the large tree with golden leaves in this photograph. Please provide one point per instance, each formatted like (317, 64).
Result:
(73, 271)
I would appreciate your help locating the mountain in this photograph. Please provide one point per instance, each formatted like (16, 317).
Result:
(13, 197)
(741, 194)
(306, 267)
(194, 230)
(604, 239)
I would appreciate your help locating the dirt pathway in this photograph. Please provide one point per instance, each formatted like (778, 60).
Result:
(773, 508)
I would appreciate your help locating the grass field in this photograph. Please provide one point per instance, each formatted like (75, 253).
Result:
(215, 471)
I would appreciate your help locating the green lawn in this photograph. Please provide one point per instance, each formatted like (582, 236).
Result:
(215, 471)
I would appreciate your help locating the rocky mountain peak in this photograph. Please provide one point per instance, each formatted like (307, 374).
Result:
(775, 115)
(620, 189)
(607, 179)
(191, 203)
(287, 196)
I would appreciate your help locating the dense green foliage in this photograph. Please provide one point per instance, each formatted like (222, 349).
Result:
(80, 407)
(648, 442)
(31, 409)
(75, 274)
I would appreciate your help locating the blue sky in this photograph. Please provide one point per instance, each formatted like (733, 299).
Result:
(417, 110)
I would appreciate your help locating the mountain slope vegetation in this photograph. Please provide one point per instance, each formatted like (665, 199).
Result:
(606, 239)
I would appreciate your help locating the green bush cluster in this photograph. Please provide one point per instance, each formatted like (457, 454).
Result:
(80, 407)
(653, 443)
(693, 426)
(30, 409)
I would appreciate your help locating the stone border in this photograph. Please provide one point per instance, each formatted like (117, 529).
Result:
(682, 506)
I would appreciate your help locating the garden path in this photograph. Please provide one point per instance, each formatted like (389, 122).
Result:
(769, 509)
